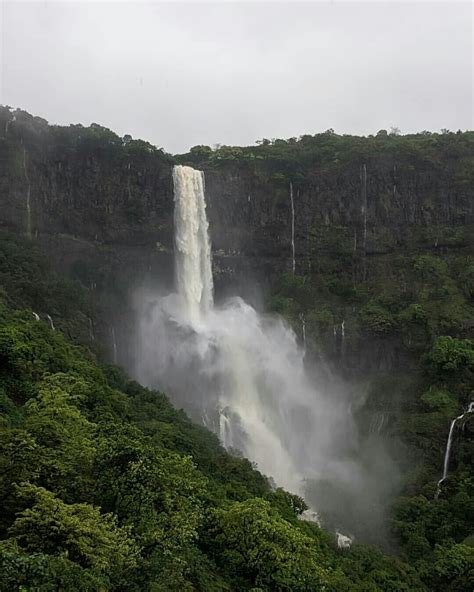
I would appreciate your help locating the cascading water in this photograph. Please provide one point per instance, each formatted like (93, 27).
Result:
(447, 453)
(303, 330)
(193, 248)
(91, 330)
(114, 345)
(28, 196)
(292, 204)
(240, 372)
(50, 321)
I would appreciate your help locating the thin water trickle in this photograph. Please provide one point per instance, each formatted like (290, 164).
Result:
(449, 443)
(28, 196)
(114, 345)
(292, 203)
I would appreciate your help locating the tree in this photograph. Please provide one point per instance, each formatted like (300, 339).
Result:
(77, 531)
(254, 543)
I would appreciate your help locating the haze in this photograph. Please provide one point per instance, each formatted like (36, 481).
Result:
(179, 74)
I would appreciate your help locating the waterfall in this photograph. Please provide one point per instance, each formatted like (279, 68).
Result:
(363, 176)
(129, 191)
(28, 196)
(364, 201)
(37, 318)
(303, 330)
(343, 541)
(292, 203)
(50, 321)
(114, 345)
(8, 123)
(225, 429)
(447, 453)
(240, 372)
(192, 245)
(91, 330)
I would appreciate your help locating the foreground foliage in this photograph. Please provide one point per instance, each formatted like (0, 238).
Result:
(105, 486)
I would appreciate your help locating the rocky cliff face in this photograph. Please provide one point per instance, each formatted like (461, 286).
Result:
(102, 207)
(381, 206)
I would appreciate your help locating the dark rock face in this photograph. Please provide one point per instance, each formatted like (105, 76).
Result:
(98, 192)
(101, 208)
(101, 205)
(376, 208)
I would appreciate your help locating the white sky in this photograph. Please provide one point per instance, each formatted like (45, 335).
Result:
(179, 74)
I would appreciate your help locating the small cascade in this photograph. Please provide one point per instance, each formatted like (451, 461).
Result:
(28, 196)
(50, 321)
(303, 330)
(225, 429)
(339, 333)
(343, 337)
(447, 453)
(128, 183)
(310, 516)
(37, 318)
(363, 176)
(293, 262)
(91, 330)
(114, 345)
(343, 541)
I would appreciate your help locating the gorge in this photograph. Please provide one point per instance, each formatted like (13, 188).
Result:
(309, 301)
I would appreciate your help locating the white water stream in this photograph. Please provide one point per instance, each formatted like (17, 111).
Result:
(447, 453)
(241, 372)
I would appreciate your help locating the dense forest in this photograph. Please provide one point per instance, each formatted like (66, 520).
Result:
(105, 486)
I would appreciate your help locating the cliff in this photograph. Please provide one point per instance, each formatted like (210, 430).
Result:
(363, 244)
(345, 208)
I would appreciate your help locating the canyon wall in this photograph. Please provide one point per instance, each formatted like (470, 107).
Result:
(101, 207)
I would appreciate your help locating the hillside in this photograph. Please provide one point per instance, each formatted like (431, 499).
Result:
(364, 245)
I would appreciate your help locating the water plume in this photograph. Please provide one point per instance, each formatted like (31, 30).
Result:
(240, 372)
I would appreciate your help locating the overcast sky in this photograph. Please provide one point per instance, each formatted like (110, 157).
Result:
(179, 74)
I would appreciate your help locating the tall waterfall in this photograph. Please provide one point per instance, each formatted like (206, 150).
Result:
(240, 372)
(192, 245)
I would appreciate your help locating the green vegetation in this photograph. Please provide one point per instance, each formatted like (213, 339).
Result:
(105, 486)
(417, 308)
(293, 159)
(77, 139)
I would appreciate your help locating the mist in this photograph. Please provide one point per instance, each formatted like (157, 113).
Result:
(245, 375)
